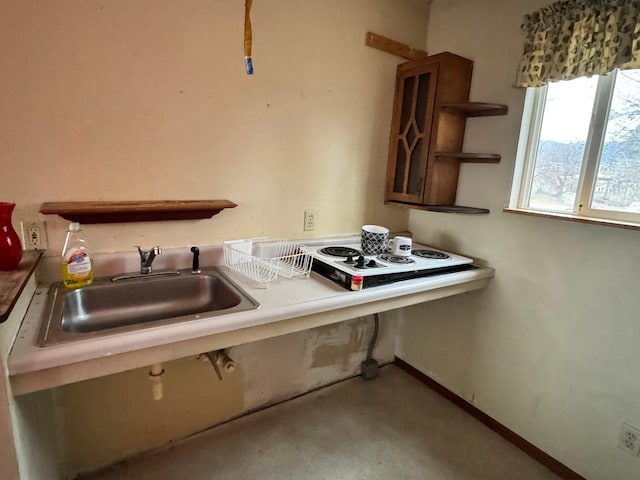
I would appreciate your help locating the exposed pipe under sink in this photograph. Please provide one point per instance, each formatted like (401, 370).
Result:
(218, 359)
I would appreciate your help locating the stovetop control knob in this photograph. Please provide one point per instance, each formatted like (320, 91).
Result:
(371, 263)
(350, 260)
(360, 261)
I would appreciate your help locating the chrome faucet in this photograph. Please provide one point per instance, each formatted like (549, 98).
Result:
(147, 257)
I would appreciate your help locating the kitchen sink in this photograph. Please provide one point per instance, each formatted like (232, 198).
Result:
(135, 301)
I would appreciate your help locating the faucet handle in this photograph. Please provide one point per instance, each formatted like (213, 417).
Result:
(147, 257)
(144, 253)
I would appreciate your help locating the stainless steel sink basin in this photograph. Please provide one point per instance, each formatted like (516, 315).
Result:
(107, 307)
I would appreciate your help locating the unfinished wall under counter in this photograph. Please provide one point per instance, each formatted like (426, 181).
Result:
(105, 420)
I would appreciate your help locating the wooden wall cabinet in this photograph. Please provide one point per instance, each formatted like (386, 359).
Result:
(431, 105)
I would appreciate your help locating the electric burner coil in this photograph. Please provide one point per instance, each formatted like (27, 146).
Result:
(340, 251)
(432, 254)
(396, 259)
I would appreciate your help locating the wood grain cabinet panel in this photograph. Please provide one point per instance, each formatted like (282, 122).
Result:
(431, 105)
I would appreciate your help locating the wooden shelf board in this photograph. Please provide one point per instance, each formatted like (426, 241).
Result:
(477, 109)
(12, 282)
(456, 209)
(391, 46)
(441, 208)
(470, 157)
(135, 211)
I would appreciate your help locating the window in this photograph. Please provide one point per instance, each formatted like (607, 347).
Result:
(579, 150)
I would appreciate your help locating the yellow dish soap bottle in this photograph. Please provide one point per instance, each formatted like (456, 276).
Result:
(76, 266)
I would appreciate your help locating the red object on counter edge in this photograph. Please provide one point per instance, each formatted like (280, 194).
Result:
(10, 247)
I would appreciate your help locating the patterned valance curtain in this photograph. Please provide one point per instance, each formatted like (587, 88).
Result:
(577, 38)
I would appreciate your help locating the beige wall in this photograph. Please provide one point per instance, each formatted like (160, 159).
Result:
(147, 100)
(551, 348)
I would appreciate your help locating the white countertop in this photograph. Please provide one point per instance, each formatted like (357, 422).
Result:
(287, 305)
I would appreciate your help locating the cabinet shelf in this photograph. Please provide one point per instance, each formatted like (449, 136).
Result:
(135, 211)
(476, 109)
(442, 208)
(469, 157)
(456, 209)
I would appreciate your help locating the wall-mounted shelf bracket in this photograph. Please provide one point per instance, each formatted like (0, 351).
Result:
(391, 46)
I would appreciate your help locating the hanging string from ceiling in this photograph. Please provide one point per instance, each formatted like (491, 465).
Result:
(248, 39)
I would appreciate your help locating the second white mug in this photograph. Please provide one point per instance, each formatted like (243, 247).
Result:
(400, 246)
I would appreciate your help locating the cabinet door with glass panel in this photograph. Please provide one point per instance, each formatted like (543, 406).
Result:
(410, 131)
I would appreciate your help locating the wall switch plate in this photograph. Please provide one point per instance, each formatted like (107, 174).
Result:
(33, 234)
(629, 439)
(310, 220)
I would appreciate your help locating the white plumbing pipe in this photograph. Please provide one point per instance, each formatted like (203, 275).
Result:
(155, 375)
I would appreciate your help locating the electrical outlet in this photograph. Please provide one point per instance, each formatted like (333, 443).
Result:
(310, 220)
(629, 440)
(33, 234)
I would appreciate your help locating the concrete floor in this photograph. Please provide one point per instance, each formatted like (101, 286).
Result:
(392, 427)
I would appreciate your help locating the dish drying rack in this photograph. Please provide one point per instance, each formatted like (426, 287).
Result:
(263, 260)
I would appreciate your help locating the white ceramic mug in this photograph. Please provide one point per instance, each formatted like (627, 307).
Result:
(400, 246)
(374, 239)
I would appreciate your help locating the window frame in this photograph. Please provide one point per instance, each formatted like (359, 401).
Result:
(530, 129)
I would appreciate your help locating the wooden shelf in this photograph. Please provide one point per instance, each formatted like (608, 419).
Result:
(469, 157)
(476, 109)
(12, 282)
(456, 209)
(135, 211)
(442, 208)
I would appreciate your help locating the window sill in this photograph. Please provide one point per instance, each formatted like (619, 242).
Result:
(575, 218)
